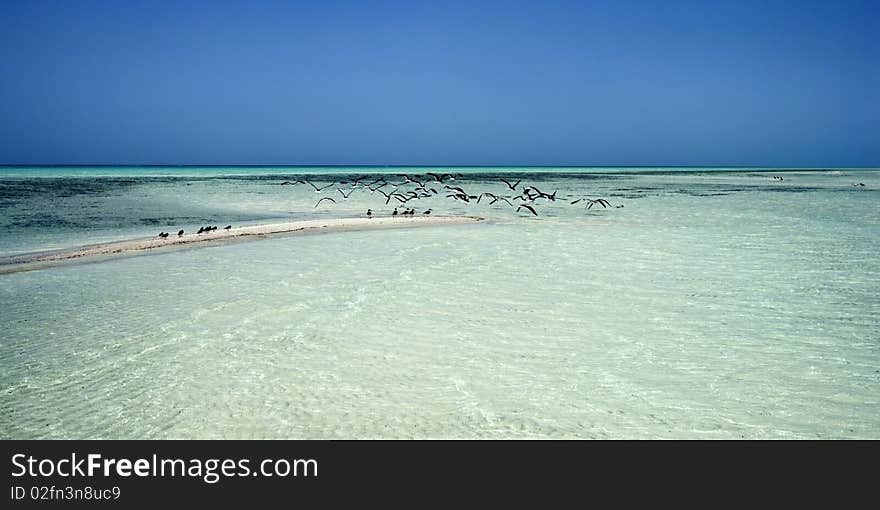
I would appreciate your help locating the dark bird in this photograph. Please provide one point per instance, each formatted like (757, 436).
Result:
(227, 227)
(325, 198)
(344, 196)
(526, 206)
(387, 196)
(531, 194)
(179, 232)
(288, 183)
(427, 212)
(494, 197)
(601, 201)
(369, 213)
(163, 234)
(395, 212)
(511, 186)
(407, 178)
(439, 177)
(317, 189)
(201, 229)
(456, 189)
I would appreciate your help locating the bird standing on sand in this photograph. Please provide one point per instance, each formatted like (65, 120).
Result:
(395, 212)
(227, 227)
(369, 213)
(427, 212)
(179, 232)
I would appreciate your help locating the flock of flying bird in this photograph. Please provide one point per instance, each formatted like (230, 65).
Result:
(517, 195)
(415, 187)
(523, 198)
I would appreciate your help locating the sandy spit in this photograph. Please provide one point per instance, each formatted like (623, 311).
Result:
(29, 261)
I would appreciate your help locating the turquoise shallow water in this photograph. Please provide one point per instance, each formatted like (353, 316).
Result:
(713, 305)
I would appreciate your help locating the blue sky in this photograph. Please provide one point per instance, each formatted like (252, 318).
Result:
(482, 83)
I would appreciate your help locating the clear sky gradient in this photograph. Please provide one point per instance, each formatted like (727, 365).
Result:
(471, 83)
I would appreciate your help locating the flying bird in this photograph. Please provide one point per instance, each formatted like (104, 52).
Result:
(439, 177)
(317, 189)
(409, 179)
(387, 196)
(495, 197)
(511, 186)
(325, 198)
(601, 201)
(526, 206)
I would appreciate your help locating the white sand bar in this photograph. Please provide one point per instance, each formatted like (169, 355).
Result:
(29, 261)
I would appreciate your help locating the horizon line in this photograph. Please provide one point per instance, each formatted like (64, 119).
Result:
(345, 165)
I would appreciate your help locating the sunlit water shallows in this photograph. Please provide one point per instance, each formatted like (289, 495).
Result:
(712, 305)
